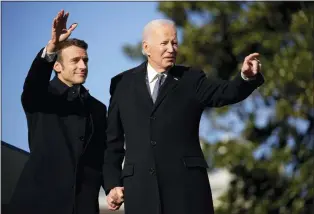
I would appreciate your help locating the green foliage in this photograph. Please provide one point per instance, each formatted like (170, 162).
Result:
(271, 162)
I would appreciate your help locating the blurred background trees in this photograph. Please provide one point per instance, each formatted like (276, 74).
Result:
(270, 151)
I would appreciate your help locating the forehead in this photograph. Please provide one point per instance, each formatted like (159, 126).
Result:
(73, 51)
(164, 31)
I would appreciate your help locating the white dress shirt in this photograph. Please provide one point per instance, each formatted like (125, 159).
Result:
(152, 77)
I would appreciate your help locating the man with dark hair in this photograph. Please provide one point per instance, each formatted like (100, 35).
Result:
(65, 131)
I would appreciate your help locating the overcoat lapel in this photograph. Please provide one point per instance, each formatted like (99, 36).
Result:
(142, 89)
(169, 85)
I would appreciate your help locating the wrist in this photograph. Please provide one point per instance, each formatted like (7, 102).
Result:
(247, 77)
(51, 47)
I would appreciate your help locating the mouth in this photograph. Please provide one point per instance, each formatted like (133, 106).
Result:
(81, 74)
(170, 58)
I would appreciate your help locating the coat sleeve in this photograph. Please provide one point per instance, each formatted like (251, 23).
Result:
(115, 151)
(36, 83)
(218, 93)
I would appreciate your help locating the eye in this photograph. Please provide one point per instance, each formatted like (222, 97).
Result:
(75, 60)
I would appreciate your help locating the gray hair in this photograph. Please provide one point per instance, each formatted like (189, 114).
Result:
(152, 25)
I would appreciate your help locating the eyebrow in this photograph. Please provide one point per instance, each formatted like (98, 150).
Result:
(78, 58)
(169, 41)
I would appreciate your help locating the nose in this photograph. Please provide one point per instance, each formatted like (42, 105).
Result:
(82, 64)
(170, 48)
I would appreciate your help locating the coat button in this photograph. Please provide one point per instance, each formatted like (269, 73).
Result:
(82, 138)
(153, 143)
(152, 171)
(152, 118)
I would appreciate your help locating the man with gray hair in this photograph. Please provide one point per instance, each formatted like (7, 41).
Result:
(155, 110)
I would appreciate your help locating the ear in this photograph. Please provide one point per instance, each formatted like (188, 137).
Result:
(57, 67)
(146, 48)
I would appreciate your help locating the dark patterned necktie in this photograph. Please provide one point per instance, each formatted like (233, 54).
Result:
(159, 82)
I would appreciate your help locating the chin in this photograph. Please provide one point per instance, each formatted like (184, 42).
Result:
(169, 64)
(81, 81)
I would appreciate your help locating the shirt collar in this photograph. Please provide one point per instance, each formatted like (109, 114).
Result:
(152, 73)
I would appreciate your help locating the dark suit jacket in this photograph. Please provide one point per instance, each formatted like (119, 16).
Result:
(164, 170)
(67, 143)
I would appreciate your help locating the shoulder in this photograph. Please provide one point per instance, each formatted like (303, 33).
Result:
(97, 103)
(188, 71)
(125, 75)
(116, 79)
(187, 68)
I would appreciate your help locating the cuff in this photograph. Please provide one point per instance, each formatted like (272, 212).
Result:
(50, 57)
(247, 78)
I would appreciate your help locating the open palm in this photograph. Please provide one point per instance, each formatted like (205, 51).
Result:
(59, 30)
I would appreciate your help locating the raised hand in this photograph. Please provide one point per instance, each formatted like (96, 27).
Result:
(59, 30)
(251, 65)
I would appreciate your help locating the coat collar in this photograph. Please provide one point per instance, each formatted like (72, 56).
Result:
(70, 92)
(143, 89)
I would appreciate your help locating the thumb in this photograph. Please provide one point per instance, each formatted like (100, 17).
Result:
(245, 67)
(72, 27)
(67, 33)
(120, 191)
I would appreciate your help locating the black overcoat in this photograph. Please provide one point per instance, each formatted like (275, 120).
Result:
(164, 170)
(67, 140)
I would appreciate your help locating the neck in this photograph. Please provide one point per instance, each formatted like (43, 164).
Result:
(156, 67)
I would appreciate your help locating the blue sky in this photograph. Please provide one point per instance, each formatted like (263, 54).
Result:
(106, 26)
(26, 28)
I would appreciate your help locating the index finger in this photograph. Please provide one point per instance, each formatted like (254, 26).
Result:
(65, 19)
(60, 14)
(251, 56)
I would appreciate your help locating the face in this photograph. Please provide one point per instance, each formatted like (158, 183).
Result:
(162, 47)
(72, 69)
